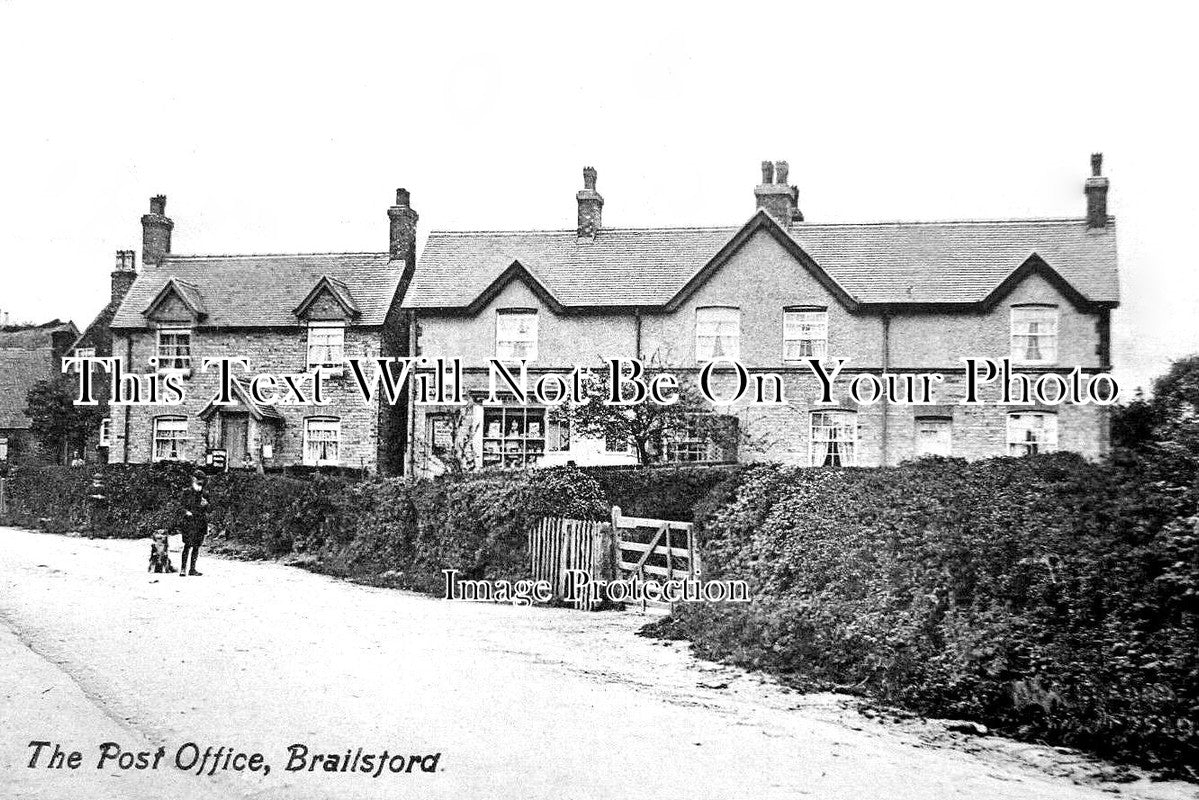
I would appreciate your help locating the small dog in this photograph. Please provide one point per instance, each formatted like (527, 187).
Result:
(160, 557)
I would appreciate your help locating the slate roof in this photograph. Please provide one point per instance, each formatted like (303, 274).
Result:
(896, 262)
(264, 290)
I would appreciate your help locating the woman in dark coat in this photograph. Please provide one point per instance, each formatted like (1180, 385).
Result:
(195, 522)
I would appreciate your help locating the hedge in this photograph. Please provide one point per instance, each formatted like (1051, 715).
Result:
(1049, 597)
(397, 532)
(660, 492)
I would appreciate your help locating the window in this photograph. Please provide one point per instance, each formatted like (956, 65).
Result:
(1034, 334)
(3, 448)
(322, 441)
(106, 432)
(170, 438)
(834, 438)
(174, 349)
(717, 333)
(440, 434)
(558, 428)
(514, 436)
(1031, 432)
(934, 436)
(704, 438)
(326, 344)
(805, 333)
(516, 334)
(85, 352)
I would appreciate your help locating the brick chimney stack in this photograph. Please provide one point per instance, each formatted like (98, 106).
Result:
(1096, 191)
(775, 196)
(591, 206)
(403, 229)
(156, 232)
(123, 275)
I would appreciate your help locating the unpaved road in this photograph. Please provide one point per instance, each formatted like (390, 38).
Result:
(528, 703)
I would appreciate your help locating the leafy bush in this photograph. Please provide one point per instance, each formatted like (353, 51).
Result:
(660, 492)
(1049, 597)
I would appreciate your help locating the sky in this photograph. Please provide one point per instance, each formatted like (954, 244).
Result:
(287, 127)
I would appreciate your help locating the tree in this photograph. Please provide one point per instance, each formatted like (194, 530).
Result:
(450, 446)
(1133, 423)
(650, 428)
(59, 425)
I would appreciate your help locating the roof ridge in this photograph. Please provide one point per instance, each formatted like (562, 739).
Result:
(200, 257)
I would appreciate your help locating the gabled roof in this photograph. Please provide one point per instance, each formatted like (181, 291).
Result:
(265, 290)
(19, 370)
(336, 288)
(188, 293)
(892, 263)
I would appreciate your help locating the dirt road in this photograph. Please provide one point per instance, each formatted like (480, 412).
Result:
(519, 702)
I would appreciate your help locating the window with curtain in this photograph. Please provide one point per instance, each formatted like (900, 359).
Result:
(805, 333)
(326, 344)
(717, 333)
(322, 441)
(516, 334)
(1034, 334)
(1031, 432)
(934, 436)
(174, 349)
(170, 438)
(834, 438)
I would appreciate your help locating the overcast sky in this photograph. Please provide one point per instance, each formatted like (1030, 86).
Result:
(287, 128)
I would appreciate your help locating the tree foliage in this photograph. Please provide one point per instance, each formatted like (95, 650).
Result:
(60, 426)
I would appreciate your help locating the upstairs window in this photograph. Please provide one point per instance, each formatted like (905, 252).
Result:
(934, 436)
(1031, 432)
(834, 439)
(174, 349)
(805, 333)
(1034, 334)
(717, 333)
(85, 352)
(322, 441)
(170, 438)
(326, 344)
(105, 432)
(3, 448)
(516, 334)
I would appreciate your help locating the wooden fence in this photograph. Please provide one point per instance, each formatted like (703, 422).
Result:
(626, 547)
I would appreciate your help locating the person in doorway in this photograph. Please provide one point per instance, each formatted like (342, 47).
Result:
(195, 523)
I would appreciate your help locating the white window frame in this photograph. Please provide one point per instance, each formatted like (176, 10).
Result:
(180, 442)
(173, 357)
(322, 425)
(1022, 435)
(827, 427)
(717, 327)
(3, 448)
(943, 446)
(1039, 322)
(805, 328)
(511, 342)
(85, 352)
(105, 438)
(335, 347)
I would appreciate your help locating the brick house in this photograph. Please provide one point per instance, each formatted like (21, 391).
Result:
(285, 314)
(889, 297)
(28, 354)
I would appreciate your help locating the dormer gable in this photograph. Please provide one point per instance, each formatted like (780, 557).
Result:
(176, 301)
(329, 299)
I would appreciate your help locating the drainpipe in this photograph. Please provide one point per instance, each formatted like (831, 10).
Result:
(886, 401)
(637, 328)
(129, 364)
(410, 412)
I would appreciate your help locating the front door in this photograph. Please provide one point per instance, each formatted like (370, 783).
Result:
(235, 431)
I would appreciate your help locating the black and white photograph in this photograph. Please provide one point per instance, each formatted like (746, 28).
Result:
(601, 400)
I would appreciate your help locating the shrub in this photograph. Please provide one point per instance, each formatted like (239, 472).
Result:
(1049, 597)
(659, 492)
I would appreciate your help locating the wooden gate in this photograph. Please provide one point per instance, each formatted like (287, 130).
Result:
(558, 544)
(660, 549)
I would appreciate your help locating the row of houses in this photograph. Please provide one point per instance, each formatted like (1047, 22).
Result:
(770, 292)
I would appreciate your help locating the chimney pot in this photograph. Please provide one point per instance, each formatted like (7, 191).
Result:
(591, 206)
(403, 219)
(1096, 192)
(780, 172)
(774, 195)
(156, 231)
(767, 172)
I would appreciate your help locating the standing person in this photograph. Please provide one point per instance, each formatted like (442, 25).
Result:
(195, 522)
